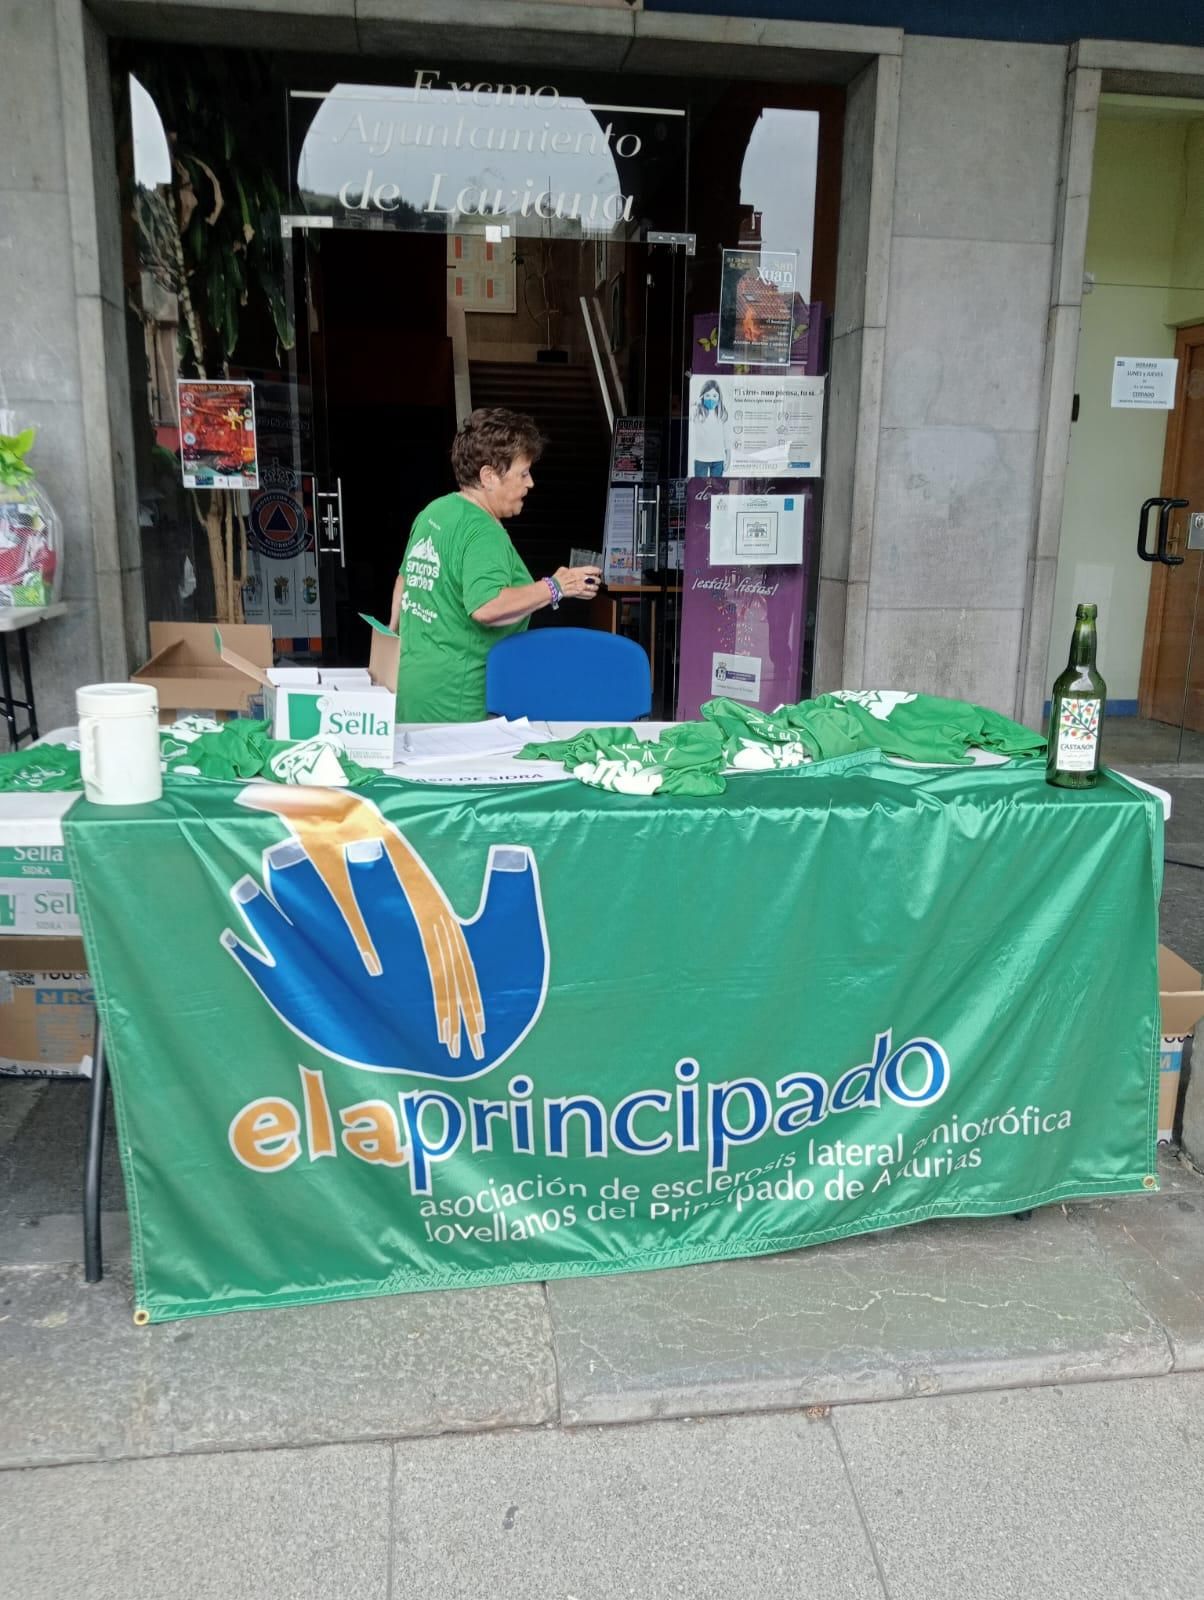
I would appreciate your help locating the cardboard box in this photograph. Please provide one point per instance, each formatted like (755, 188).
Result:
(47, 1011)
(36, 892)
(1182, 1000)
(192, 678)
(360, 717)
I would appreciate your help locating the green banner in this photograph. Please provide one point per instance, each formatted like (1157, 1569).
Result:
(415, 1037)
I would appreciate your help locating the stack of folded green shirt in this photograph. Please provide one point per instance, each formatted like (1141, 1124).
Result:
(234, 751)
(692, 757)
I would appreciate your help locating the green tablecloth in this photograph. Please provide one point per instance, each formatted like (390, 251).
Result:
(408, 1038)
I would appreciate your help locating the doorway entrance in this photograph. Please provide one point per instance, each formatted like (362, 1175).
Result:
(1133, 524)
(429, 280)
(406, 332)
(375, 259)
(1172, 668)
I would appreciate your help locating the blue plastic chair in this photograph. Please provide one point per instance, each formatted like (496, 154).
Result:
(568, 675)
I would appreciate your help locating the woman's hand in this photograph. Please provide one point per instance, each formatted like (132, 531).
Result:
(578, 583)
(512, 603)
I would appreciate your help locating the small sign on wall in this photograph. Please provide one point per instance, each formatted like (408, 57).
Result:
(481, 272)
(1144, 383)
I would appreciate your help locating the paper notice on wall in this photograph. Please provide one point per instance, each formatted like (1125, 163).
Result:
(756, 427)
(737, 677)
(1144, 383)
(481, 272)
(757, 530)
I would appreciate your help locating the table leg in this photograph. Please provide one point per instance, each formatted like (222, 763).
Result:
(6, 699)
(93, 1265)
(27, 674)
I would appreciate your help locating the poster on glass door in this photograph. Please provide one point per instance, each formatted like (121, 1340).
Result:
(756, 427)
(741, 625)
(756, 307)
(217, 434)
(281, 584)
(757, 530)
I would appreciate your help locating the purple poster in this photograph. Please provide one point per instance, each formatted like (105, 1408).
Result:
(741, 625)
(804, 354)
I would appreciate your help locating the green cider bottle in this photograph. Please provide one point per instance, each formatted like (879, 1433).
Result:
(1076, 711)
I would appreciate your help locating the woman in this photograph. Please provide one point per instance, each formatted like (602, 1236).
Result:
(709, 438)
(462, 587)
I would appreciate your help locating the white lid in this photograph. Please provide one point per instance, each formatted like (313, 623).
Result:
(117, 700)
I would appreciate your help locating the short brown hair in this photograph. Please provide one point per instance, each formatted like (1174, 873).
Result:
(493, 437)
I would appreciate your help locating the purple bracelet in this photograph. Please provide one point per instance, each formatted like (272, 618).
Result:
(555, 591)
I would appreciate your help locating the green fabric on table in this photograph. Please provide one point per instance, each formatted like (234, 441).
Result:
(47, 769)
(691, 757)
(234, 753)
(915, 727)
(242, 750)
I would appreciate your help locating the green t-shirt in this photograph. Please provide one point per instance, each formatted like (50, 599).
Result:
(458, 558)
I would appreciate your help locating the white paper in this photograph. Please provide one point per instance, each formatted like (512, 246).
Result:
(766, 427)
(757, 530)
(466, 740)
(737, 677)
(619, 566)
(1144, 383)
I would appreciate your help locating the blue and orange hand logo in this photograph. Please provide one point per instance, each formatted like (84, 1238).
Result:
(361, 955)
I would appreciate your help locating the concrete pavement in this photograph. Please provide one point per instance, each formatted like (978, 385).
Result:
(1092, 1491)
(1098, 1290)
(980, 1408)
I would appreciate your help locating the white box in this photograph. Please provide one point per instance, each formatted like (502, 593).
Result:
(36, 892)
(360, 717)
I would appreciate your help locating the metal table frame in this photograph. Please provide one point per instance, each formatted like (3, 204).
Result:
(18, 620)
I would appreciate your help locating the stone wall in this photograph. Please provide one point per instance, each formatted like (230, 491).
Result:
(62, 332)
(945, 573)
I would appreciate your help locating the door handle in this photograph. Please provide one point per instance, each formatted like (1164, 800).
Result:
(1143, 528)
(1164, 531)
(330, 522)
(1165, 506)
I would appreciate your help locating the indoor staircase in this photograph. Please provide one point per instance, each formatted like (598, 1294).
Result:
(567, 507)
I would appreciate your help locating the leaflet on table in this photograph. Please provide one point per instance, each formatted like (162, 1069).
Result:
(757, 530)
(446, 741)
(756, 427)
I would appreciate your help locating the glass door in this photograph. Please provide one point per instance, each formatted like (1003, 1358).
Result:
(314, 476)
(516, 246)
(645, 521)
